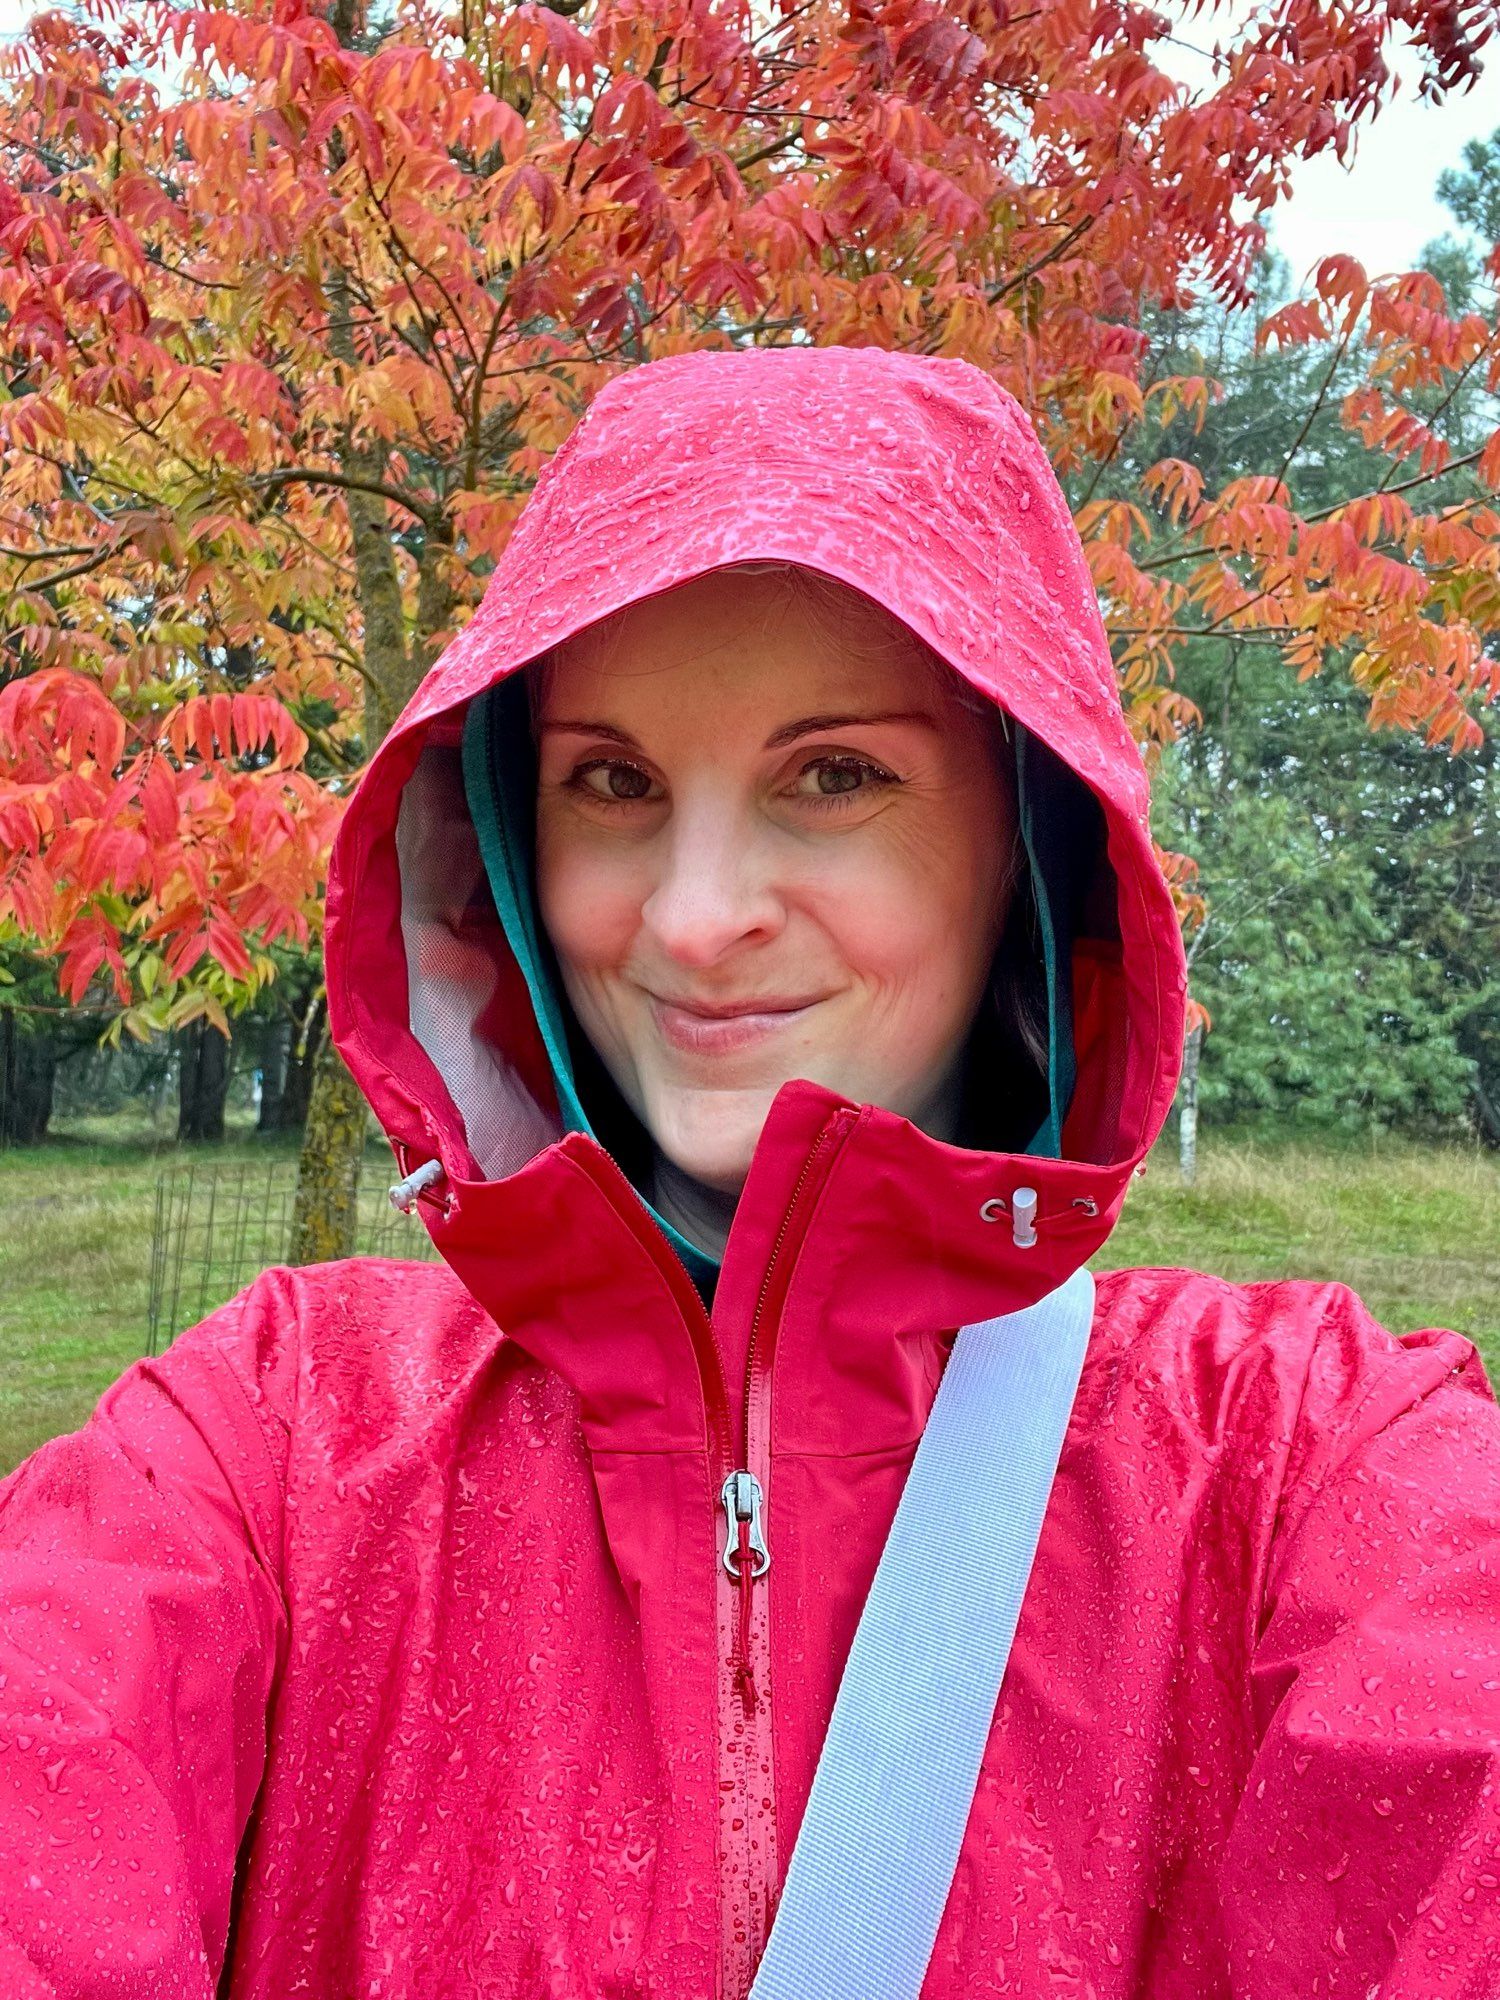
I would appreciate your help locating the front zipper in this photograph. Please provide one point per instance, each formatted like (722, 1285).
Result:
(746, 1767)
(754, 1436)
(747, 1753)
(746, 1557)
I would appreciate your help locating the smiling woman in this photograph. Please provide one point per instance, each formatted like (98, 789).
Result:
(752, 940)
(769, 843)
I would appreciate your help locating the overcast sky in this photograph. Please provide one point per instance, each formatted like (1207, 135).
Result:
(1380, 209)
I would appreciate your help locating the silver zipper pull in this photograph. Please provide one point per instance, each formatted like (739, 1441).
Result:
(741, 1498)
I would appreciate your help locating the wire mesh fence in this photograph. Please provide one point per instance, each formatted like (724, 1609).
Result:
(215, 1227)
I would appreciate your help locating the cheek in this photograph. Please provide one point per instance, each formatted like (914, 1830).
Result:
(590, 902)
(915, 908)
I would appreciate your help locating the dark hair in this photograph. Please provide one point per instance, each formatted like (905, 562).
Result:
(1007, 1088)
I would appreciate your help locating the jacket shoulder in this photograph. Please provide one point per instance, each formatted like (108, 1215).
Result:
(337, 1337)
(1300, 1364)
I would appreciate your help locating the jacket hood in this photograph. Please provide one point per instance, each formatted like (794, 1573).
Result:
(915, 480)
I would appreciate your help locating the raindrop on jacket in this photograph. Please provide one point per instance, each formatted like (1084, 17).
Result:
(374, 1641)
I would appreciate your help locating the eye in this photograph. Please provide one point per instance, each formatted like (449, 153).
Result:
(622, 783)
(836, 778)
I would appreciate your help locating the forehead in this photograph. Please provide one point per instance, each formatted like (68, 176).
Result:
(748, 633)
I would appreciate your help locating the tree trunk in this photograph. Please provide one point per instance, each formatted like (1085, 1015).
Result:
(333, 1141)
(301, 1064)
(1486, 1108)
(273, 1067)
(333, 1148)
(28, 1066)
(1187, 1124)
(287, 1072)
(203, 1083)
(326, 1208)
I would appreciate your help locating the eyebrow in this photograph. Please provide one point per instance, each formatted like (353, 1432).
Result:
(809, 725)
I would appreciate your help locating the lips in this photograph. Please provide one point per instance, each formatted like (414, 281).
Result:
(721, 1028)
(727, 1010)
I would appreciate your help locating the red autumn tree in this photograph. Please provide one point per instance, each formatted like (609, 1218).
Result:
(295, 301)
(140, 844)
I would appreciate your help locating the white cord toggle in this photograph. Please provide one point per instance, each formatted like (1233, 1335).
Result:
(1023, 1218)
(404, 1193)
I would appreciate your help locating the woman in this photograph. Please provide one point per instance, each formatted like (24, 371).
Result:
(751, 913)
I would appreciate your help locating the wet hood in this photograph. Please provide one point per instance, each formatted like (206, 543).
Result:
(915, 480)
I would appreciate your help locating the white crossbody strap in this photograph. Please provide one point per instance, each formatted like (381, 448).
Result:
(874, 1859)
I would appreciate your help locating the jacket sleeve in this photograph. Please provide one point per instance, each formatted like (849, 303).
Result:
(141, 1624)
(1364, 1858)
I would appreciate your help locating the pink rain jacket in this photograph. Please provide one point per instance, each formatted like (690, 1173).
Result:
(373, 1644)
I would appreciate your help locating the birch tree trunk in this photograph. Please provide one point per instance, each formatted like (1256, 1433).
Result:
(1187, 1124)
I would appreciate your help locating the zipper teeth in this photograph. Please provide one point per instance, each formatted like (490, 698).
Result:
(825, 1138)
(686, 1293)
(711, 1367)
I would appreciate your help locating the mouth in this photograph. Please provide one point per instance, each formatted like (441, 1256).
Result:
(717, 1028)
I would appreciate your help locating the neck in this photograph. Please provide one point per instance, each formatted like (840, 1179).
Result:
(702, 1213)
(942, 1116)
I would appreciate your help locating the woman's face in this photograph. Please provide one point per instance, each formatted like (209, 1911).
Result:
(767, 850)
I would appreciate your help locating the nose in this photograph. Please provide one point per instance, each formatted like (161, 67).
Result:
(715, 886)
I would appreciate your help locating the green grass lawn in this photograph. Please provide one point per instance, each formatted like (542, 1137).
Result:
(1416, 1231)
(75, 1259)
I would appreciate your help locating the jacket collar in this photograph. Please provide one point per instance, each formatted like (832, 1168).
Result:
(905, 1239)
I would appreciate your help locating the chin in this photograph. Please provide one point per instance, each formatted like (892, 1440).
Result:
(711, 1134)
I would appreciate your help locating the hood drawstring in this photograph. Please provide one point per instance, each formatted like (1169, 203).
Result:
(1023, 1218)
(1021, 1208)
(405, 1194)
